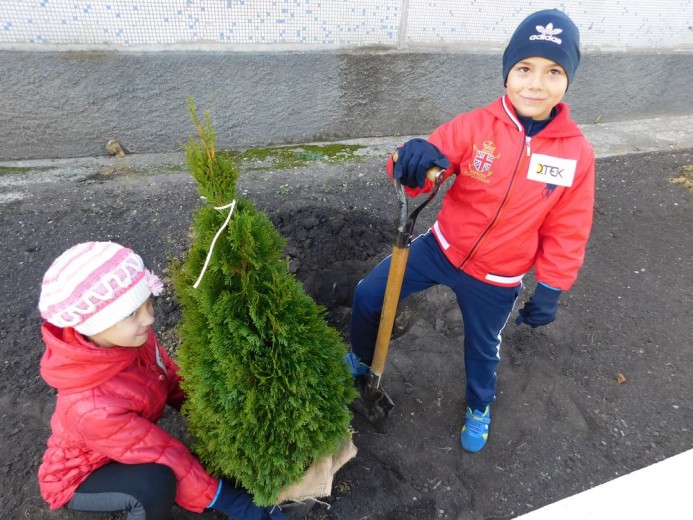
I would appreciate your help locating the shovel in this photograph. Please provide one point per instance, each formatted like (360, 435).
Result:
(378, 404)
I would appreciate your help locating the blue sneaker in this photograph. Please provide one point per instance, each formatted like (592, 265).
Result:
(475, 430)
(356, 367)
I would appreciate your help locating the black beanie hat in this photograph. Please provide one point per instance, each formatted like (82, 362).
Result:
(548, 34)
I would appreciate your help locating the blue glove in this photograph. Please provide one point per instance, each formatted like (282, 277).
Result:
(541, 308)
(414, 159)
(237, 504)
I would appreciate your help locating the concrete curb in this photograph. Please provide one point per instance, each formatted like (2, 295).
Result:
(608, 139)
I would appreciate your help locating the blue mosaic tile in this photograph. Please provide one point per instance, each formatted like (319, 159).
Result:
(639, 23)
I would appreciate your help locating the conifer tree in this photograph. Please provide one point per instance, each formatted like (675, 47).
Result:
(267, 388)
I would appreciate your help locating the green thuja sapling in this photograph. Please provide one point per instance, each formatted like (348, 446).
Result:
(267, 388)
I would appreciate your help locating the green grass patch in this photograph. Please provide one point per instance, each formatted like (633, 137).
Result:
(14, 170)
(161, 168)
(175, 167)
(124, 169)
(284, 157)
(685, 178)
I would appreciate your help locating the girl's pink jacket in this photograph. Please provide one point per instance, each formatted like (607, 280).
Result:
(108, 403)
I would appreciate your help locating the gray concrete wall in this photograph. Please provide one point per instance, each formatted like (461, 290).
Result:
(68, 104)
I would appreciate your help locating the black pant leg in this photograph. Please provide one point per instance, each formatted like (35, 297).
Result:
(145, 491)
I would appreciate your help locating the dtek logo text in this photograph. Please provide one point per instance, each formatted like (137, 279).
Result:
(552, 170)
(547, 33)
(549, 170)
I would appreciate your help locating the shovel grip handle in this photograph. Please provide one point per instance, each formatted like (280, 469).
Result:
(431, 173)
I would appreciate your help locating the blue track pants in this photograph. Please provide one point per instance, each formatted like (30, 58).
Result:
(485, 311)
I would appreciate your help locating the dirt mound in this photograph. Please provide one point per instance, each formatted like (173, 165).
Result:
(330, 250)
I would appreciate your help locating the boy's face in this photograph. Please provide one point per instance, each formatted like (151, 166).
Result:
(535, 85)
(131, 331)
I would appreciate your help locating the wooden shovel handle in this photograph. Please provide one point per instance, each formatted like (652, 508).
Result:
(398, 264)
(431, 173)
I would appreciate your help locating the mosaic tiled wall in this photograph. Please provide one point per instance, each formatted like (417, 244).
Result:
(602, 23)
(136, 23)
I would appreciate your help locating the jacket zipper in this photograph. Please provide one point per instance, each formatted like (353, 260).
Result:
(496, 218)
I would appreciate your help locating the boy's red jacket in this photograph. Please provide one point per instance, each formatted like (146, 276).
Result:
(108, 402)
(516, 202)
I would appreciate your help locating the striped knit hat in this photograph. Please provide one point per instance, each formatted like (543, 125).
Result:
(94, 285)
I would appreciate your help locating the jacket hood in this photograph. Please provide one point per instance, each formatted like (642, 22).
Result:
(561, 126)
(72, 364)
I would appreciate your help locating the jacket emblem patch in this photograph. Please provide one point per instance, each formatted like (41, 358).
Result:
(480, 167)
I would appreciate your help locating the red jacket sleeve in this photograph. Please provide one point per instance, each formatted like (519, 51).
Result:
(452, 139)
(563, 235)
(118, 433)
(448, 139)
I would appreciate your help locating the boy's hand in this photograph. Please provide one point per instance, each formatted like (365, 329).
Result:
(414, 159)
(541, 308)
(237, 504)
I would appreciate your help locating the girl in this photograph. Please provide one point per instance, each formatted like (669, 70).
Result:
(106, 453)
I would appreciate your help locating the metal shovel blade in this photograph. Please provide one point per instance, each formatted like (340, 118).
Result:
(374, 404)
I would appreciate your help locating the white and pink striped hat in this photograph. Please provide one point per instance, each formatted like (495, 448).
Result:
(94, 285)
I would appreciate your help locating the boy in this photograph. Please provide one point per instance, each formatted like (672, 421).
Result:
(522, 198)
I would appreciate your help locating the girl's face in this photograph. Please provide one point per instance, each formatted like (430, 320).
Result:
(131, 331)
(535, 85)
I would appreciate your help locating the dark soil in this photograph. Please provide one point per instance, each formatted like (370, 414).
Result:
(562, 422)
